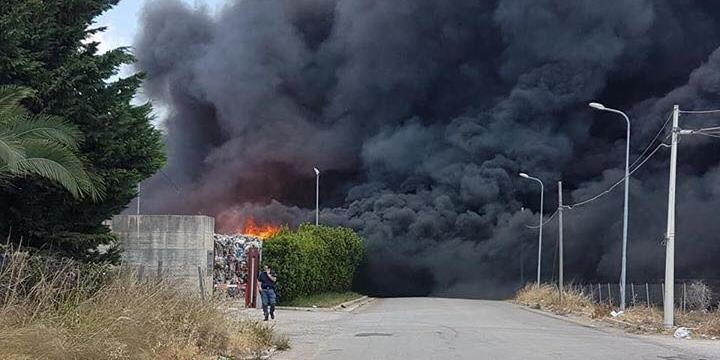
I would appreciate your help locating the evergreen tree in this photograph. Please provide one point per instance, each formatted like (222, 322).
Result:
(45, 146)
(44, 46)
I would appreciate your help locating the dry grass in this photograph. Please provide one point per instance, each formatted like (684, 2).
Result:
(702, 323)
(62, 310)
(642, 319)
(638, 319)
(547, 297)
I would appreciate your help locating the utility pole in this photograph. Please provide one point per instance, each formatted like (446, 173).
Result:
(522, 265)
(623, 275)
(669, 302)
(138, 199)
(560, 237)
(137, 218)
(539, 261)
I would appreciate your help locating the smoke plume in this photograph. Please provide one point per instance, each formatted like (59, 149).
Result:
(420, 114)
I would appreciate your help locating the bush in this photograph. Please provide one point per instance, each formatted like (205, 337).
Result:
(52, 308)
(699, 296)
(313, 259)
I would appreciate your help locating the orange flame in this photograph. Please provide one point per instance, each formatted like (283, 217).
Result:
(262, 231)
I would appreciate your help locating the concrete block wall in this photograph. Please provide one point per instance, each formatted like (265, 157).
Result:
(172, 245)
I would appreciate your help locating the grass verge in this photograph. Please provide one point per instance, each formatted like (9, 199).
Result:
(547, 297)
(640, 319)
(705, 324)
(323, 300)
(59, 309)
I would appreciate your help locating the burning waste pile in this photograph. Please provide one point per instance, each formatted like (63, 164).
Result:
(233, 253)
(231, 271)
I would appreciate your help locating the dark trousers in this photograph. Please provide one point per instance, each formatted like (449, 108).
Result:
(268, 301)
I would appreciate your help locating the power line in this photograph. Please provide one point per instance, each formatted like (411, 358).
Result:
(706, 134)
(649, 145)
(617, 183)
(611, 188)
(170, 180)
(710, 129)
(699, 111)
(544, 222)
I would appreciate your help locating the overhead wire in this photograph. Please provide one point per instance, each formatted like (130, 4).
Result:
(699, 111)
(632, 166)
(711, 132)
(617, 183)
(581, 203)
(706, 134)
(649, 145)
(710, 129)
(544, 222)
(635, 166)
(170, 180)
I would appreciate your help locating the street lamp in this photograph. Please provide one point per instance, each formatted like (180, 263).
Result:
(542, 193)
(317, 196)
(623, 274)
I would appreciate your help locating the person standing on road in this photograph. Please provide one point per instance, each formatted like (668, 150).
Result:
(268, 280)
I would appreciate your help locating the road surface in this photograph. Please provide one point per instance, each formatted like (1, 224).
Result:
(433, 328)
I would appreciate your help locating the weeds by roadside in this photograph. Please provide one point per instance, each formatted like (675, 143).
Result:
(59, 309)
(642, 319)
(548, 297)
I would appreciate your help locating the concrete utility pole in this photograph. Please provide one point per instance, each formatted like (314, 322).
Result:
(522, 265)
(560, 237)
(317, 196)
(542, 193)
(669, 301)
(623, 271)
(137, 218)
(138, 199)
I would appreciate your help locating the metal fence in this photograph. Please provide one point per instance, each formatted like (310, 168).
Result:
(637, 294)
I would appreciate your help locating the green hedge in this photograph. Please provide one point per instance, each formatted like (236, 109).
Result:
(313, 259)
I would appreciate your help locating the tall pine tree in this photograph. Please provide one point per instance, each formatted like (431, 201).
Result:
(44, 45)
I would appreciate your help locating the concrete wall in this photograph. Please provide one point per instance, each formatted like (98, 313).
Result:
(173, 245)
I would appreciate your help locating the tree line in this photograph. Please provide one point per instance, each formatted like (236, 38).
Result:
(73, 145)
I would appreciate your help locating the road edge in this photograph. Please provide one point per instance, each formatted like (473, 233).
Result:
(617, 328)
(347, 306)
(351, 305)
(588, 323)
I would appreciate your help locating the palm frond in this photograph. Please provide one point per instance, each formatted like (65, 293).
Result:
(10, 97)
(59, 164)
(10, 150)
(50, 170)
(45, 127)
(42, 145)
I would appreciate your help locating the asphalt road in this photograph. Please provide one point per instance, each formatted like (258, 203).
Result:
(433, 328)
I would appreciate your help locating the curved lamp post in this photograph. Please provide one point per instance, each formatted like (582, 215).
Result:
(542, 193)
(623, 274)
(317, 196)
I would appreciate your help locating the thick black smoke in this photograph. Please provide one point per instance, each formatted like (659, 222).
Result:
(420, 113)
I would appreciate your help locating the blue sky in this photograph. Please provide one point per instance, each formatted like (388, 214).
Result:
(122, 21)
(122, 24)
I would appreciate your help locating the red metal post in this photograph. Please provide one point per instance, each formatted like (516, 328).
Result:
(251, 288)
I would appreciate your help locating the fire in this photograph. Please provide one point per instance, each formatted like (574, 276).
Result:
(262, 231)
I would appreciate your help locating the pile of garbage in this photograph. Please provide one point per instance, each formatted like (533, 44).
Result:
(230, 272)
